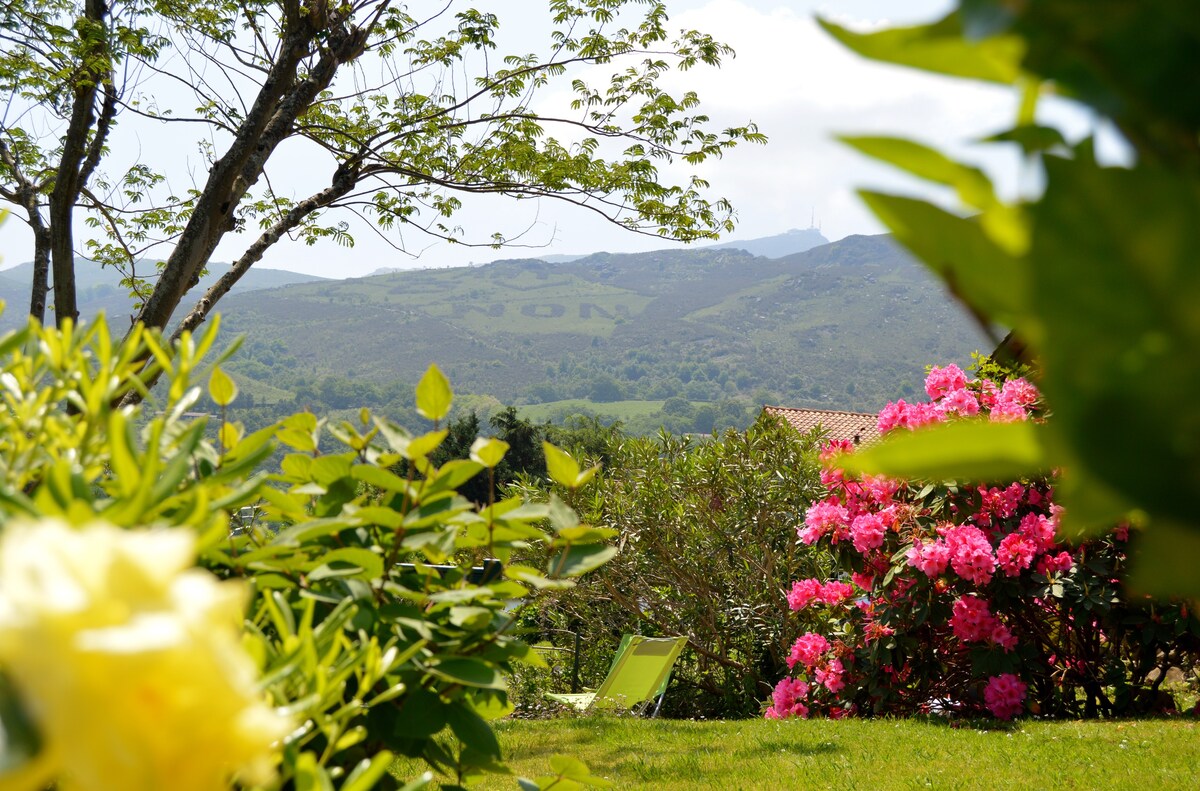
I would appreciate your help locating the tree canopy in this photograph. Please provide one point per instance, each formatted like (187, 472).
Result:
(399, 110)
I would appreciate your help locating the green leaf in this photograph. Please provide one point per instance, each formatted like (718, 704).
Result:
(964, 450)
(994, 283)
(575, 560)
(1032, 138)
(1116, 286)
(973, 187)
(470, 617)
(939, 47)
(562, 469)
(367, 773)
(221, 388)
(488, 451)
(310, 776)
(468, 672)
(434, 395)
(473, 730)
(22, 743)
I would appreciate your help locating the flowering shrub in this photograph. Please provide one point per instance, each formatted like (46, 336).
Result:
(964, 599)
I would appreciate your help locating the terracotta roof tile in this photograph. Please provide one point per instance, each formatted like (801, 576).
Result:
(858, 427)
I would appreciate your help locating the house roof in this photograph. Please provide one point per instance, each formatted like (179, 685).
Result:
(858, 427)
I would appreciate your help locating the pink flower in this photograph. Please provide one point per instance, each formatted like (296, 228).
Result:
(1005, 696)
(972, 621)
(879, 488)
(941, 381)
(788, 700)
(1007, 412)
(834, 593)
(960, 402)
(971, 554)
(894, 415)
(808, 650)
(867, 532)
(803, 593)
(931, 558)
(1052, 564)
(831, 676)
(823, 518)
(863, 580)
(988, 392)
(1015, 553)
(1002, 637)
(1019, 391)
(1039, 530)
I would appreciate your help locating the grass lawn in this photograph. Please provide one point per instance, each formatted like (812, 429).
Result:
(857, 754)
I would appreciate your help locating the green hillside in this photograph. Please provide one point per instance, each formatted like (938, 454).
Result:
(847, 325)
(99, 288)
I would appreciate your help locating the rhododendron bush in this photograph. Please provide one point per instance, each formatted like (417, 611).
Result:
(962, 598)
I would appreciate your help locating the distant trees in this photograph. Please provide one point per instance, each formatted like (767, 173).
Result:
(375, 98)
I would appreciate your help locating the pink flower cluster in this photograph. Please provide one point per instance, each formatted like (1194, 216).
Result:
(788, 700)
(932, 558)
(952, 395)
(970, 553)
(805, 592)
(930, 563)
(808, 650)
(826, 518)
(1005, 696)
(973, 622)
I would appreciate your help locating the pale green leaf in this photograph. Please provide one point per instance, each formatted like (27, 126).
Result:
(434, 395)
(562, 469)
(488, 451)
(221, 388)
(964, 450)
(939, 47)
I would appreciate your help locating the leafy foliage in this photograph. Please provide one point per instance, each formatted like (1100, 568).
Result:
(367, 621)
(1095, 274)
(706, 538)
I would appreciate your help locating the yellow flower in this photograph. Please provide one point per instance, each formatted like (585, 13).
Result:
(129, 660)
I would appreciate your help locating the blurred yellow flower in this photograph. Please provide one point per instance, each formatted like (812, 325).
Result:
(129, 660)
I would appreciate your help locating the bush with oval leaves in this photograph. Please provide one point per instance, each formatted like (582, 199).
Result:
(367, 630)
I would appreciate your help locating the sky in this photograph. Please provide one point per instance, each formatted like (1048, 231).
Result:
(789, 77)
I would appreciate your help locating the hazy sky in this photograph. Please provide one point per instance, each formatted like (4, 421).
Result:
(790, 78)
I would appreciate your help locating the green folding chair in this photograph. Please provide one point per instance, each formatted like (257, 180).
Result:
(639, 673)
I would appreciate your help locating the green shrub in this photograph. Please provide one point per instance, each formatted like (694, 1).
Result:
(707, 540)
(368, 647)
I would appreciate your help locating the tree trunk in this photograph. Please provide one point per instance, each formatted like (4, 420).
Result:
(279, 103)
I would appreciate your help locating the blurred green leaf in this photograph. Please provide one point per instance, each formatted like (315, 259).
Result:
(221, 388)
(957, 250)
(964, 450)
(575, 560)
(488, 451)
(469, 672)
(562, 469)
(434, 395)
(939, 47)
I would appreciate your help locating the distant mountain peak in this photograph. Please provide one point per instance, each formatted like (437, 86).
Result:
(790, 242)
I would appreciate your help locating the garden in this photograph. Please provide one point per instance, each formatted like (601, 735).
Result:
(1002, 588)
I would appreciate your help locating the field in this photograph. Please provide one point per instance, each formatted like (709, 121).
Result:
(857, 754)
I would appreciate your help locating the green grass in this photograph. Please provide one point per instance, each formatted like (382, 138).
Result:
(857, 754)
